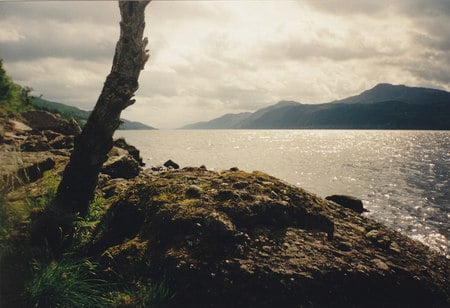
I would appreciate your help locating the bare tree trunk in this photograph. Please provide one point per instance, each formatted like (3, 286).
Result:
(92, 146)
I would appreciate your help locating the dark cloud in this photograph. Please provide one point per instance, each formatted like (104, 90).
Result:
(55, 47)
(98, 12)
(79, 30)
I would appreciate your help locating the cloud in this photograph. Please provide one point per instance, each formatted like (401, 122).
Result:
(209, 58)
(31, 37)
(412, 8)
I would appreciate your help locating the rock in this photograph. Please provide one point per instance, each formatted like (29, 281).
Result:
(20, 168)
(155, 169)
(35, 170)
(132, 150)
(284, 247)
(19, 127)
(35, 143)
(121, 167)
(46, 140)
(62, 142)
(171, 164)
(115, 151)
(349, 202)
(43, 120)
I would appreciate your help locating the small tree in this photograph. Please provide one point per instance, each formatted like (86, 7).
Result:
(92, 146)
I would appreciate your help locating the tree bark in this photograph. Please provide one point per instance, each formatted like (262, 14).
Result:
(80, 176)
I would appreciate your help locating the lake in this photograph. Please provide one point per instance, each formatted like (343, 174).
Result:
(403, 177)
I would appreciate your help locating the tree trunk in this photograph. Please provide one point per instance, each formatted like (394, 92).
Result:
(92, 146)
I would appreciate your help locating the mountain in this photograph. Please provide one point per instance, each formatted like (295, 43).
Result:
(385, 106)
(226, 121)
(79, 115)
(235, 121)
(388, 92)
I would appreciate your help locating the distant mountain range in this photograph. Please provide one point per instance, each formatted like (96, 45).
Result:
(385, 106)
(81, 116)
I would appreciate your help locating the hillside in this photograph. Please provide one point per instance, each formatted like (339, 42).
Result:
(383, 107)
(79, 115)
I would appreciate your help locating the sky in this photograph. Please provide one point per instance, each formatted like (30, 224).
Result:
(209, 58)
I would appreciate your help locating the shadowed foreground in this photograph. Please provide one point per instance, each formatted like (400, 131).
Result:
(228, 239)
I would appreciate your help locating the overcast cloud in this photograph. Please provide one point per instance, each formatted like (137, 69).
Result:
(209, 58)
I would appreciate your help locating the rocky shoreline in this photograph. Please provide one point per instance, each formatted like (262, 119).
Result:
(230, 238)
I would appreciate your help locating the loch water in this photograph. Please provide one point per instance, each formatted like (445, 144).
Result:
(403, 177)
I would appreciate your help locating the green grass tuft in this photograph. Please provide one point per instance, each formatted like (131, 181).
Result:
(67, 283)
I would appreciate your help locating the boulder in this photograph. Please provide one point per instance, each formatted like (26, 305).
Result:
(265, 244)
(42, 120)
(171, 164)
(349, 202)
(132, 150)
(121, 167)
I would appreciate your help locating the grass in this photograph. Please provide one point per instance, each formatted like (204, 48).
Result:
(67, 283)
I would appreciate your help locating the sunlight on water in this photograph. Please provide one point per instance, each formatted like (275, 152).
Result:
(402, 176)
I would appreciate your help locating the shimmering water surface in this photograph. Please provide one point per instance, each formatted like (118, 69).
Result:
(402, 176)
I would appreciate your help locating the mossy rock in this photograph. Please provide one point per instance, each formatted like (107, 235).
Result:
(248, 239)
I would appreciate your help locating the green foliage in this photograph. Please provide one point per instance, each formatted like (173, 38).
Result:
(13, 98)
(50, 181)
(67, 283)
(97, 208)
(85, 226)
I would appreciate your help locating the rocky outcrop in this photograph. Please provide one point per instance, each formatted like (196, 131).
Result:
(349, 202)
(26, 153)
(236, 239)
(43, 120)
(21, 168)
(124, 166)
